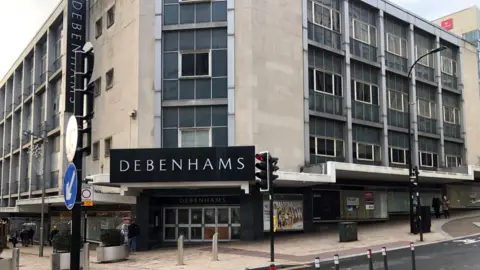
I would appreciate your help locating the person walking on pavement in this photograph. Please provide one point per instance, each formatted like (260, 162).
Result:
(30, 233)
(14, 238)
(24, 237)
(446, 206)
(133, 232)
(53, 233)
(436, 206)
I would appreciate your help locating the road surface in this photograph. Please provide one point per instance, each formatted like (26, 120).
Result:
(452, 255)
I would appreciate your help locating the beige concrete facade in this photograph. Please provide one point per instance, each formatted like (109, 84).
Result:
(463, 21)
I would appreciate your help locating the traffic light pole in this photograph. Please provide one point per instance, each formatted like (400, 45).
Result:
(271, 194)
(419, 206)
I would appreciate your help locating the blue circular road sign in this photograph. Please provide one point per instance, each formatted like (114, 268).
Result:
(70, 186)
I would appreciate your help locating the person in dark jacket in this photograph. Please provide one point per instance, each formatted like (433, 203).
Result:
(31, 233)
(436, 203)
(133, 232)
(14, 238)
(53, 232)
(24, 237)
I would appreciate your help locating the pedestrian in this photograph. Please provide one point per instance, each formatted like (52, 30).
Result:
(436, 206)
(125, 232)
(24, 237)
(446, 206)
(31, 233)
(14, 238)
(53, 233)
(133, 232)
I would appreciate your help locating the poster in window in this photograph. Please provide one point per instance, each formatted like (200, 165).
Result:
(289, 215)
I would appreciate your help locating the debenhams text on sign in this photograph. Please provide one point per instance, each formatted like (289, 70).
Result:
(151, 165)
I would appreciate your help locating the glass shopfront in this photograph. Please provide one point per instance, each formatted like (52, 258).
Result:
(463, 196)
(398, 201)
(200, 223)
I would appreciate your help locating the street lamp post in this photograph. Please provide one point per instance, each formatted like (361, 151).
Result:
(35, 152)
(413, 175)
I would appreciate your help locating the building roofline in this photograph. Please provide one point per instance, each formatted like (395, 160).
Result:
(40, 32)
(453, 13)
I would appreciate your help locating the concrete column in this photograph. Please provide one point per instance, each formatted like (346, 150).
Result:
(347, 96)
(157, 82)
(251, 215)
(413, 95)
(308, 226)
(439, 101)
(306, 95)
(460, 86)
(231, 70)
(142, 220)
(383, 89)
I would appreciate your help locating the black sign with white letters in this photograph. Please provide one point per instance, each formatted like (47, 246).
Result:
(76, 38)
(182, 164)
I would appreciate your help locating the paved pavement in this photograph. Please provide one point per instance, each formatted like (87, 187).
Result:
(460, 227)
(453, 254)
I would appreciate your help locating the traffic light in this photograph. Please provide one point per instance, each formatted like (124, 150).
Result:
(88, 59)
(262, 165)
(273, 161)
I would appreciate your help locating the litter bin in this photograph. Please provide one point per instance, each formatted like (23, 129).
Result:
(426, 220)
(348, 231)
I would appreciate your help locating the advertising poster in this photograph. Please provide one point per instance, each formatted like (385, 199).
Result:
(289, 215)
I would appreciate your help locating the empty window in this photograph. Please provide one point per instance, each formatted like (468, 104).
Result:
(111, 16)
(324, 16)
(428, 159)
(326, 82)
(195, 138)
(364, 32)
(450, 115)
(453, 161)
(426, 108)
(449, 66)
(397, 101)
(366, 151)
(419, 51)
(398, 156)
(326, 147)
(95, 150)
(194, 64)
(109, 77)
(98, 28)
(396, 45)
(98, 87)
(365, 92)
(108, 146)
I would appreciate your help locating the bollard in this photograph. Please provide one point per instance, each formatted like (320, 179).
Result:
(86, 256)
(317, 263)
(180, 250)
(16, 258)
(215, 247)
(412, 248)
(385, 261)
(370, 259)
(272, 267)
(336, 261)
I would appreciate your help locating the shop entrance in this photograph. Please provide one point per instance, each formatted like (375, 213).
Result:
(199, 224)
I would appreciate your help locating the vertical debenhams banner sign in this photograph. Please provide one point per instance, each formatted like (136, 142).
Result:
(182, 164)
(76, 38)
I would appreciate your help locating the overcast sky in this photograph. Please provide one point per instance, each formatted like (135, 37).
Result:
(21, 19)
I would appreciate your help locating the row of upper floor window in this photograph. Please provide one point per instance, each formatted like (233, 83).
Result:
(110, 20)
(331, 84)
(360, 30)
(334, 148)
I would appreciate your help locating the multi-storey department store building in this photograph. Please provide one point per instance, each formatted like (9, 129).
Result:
(321, 84)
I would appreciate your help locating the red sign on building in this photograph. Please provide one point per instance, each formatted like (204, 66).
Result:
(368, 196)
(447, 24)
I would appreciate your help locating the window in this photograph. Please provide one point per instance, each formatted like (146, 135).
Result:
(108, 146)
(397, 101)
(194, 138)
(98, 28)
(419, 51)
(326, 83)
(365, 151)
(453, 161)
(111, 16)
(324, 16)
(195, 64)
(450, 114)
(58, 42)
(98, 87)
(428, 159)
(109, 77)
(95, 150)
(398, 155)
(364, 32)
(365, 93)
(187, 1)
(426, 108)
(449, 66)
(396, 45)
(326, 147)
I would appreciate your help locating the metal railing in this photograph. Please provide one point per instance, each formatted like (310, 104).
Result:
(325, 103)
(451, 130)
(427, 125)
(367, 112)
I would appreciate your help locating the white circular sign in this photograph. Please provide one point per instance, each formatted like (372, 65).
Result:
(71, 138)
(86, 193)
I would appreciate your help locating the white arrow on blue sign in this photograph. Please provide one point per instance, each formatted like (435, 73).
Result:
(70, 186)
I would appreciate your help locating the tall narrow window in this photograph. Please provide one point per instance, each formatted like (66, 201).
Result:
(109, 78)
(108, 146)
(450, 114)
(449, 66)
(419, 51)
(397, 101)
(111, 16)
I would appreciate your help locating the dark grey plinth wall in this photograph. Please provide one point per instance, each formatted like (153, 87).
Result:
(251, 215)
(143, 211)
(308, 210)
